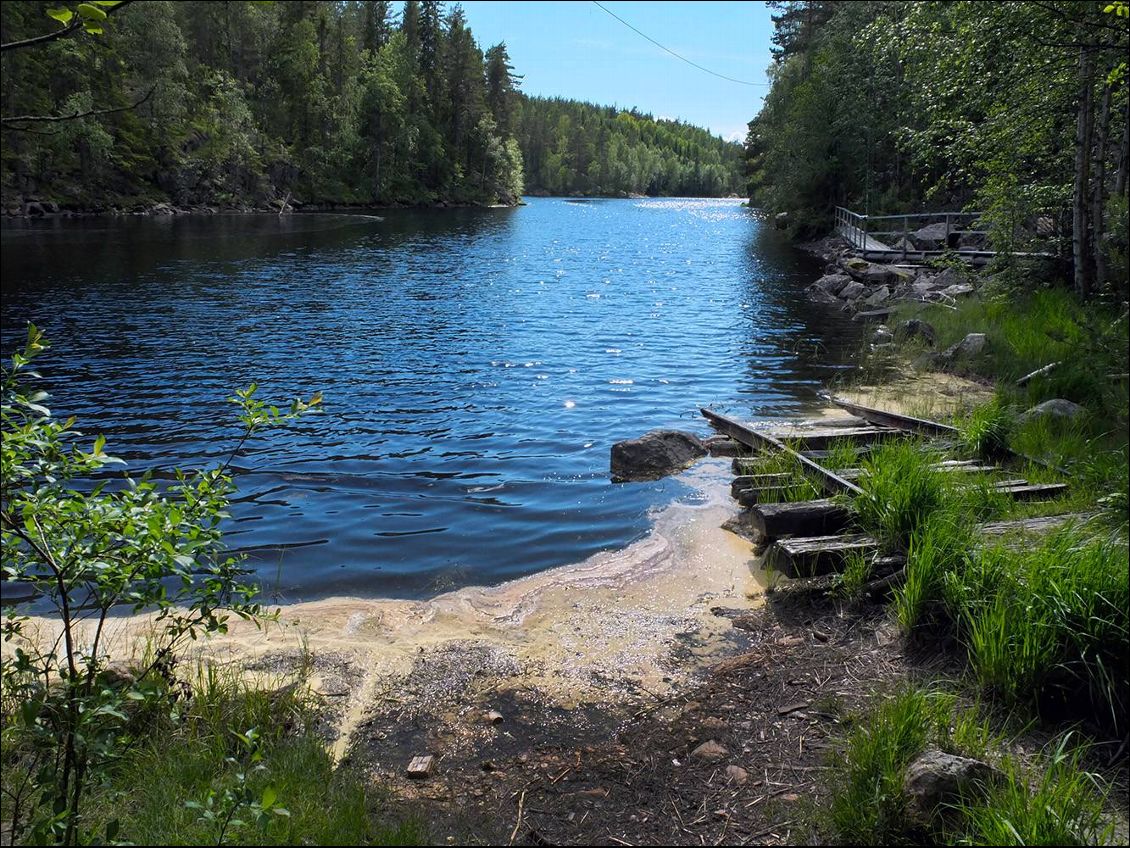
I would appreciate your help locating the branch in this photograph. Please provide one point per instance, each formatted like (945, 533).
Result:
(76, 24)
(44, 119)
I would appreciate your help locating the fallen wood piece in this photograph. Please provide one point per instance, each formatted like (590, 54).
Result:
(1039, 372)
(872, 315)
(883, 585)
(1023, 491)
(885, 418)
(828, 480)
(421, 767)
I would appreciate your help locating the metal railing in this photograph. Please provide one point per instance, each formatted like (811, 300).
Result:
(862, 232)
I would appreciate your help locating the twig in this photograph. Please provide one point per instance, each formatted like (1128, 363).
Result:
(44, 119)
(518, 823)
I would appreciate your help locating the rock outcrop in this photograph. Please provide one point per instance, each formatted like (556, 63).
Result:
(655, 454)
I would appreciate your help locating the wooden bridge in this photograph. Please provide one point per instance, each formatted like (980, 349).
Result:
(916, 237)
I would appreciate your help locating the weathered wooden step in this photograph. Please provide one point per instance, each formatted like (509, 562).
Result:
(814, 438)
(812, 556)
(824, 517)
(773, 494)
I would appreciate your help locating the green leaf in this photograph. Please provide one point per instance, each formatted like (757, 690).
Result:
(90, 12)
(93, 29)
(269, 797)
(63, 16)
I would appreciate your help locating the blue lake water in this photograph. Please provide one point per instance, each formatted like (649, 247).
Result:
(476, 365)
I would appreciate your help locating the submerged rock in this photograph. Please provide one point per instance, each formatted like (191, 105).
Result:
(655, 454)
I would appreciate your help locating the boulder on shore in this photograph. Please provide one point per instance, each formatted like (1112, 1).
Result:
(655, 454)
(1056, 408)
(833, 283)
(971, 345)
(931, 237)
(935, 780)
(917, 329)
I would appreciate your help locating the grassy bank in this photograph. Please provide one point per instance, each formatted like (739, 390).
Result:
(216, 761)
(1040, 625)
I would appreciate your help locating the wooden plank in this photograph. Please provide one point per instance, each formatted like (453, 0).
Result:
(872, 315)
(803, 518)
(758, 481)
(821, 439)
(828, 480)
(1024, 491)
(885, 418)
(817, 555)
(420, 767)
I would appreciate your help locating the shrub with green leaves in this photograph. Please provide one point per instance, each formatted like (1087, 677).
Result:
(83, 549)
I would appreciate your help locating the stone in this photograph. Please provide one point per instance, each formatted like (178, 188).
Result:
(878, 297)
(904, 244)
(935, 779)
(855, 266)
(820, 296)
(917, 329)
(737, 775)
(1057, 408)
(494, 717)
(832, 283)
(781, 220)
(950, 277)
(971, 345)
(877, 275)
(710, 751)
(972, 241)
(882, 335)
(852, 290)
(655, 455)
(931, 237)
(901, 276)
(957, 290)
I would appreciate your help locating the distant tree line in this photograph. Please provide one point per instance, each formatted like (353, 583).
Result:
(570, 147)
(1015, 109)
(240, 103)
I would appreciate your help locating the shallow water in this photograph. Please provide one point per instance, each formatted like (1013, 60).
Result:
(476, 364)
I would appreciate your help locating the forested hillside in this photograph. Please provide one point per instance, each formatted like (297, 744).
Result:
(235, 103)
(1015, 109)
(241, 104)
(570, 147)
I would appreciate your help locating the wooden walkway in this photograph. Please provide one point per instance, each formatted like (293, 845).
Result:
(815, 536)
(893, 238)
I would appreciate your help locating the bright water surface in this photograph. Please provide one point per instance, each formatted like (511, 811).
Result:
(476, 365)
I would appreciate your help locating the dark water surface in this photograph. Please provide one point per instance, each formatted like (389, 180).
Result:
(476, 367)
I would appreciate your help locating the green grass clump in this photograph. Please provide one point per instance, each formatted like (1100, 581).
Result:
(1051, 623)
(936, 551)
(184, 756)
(1052, 802)
(984, 433)
(902, 490)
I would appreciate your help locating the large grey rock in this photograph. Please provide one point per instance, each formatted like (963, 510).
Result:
(971, 345)
(917, 329)
(878, 297)
(833, 283)
(934, 780)
(882, 335)
(655, 454)
(931, 237)
(950, 277)
(855, 267)
(901, 276)
(853, 290)
(820, 296)
(1057, 408)
(956, 290)
(877, 275)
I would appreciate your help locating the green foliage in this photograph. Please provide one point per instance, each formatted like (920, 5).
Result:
(570, 147)
(85, 548)
(1052, 801)
(984, 432)
(902, 491)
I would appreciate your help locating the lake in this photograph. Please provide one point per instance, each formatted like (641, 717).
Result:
(477, 365)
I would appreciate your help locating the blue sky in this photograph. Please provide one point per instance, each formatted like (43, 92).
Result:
(575, 49)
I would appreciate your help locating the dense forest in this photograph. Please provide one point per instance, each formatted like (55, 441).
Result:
(1017, 110)
(569, 147)
(241, 104)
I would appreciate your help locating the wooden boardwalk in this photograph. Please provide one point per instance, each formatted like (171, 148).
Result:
(894, 238)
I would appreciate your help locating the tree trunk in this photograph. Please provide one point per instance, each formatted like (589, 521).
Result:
(1123, 154)
(1079, 196)
(1099, 196)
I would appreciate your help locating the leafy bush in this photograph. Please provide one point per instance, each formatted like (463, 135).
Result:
(85, 549)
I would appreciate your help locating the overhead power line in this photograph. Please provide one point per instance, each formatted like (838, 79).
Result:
(672, 52)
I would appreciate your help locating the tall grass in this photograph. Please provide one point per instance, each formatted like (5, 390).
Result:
(902, 490)
(1052, 802)
(192, 751)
